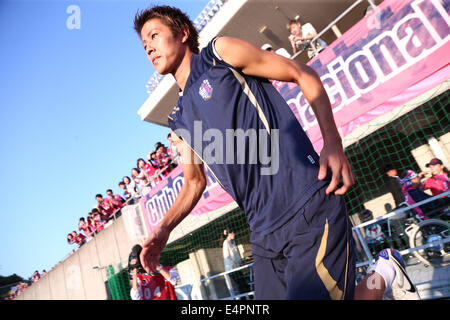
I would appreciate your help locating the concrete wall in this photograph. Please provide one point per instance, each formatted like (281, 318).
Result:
(76, 278)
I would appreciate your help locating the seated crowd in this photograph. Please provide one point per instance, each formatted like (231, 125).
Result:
(20, 287)
(144, 176)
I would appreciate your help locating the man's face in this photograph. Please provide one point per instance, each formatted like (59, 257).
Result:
(109, 194)
(436, 168)
(164, 49)
(295, 29)
(99, 199)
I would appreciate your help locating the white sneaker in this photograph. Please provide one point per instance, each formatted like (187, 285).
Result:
(398, 286)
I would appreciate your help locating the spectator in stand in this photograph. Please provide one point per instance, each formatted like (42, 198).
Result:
(438, 182)
(116, 200)
(94, 223)
(150, 172)
(281, 51)
(140, 179)
(79, 238)
(301, 36)
(36, 276)
(104, 207)
(393, 184)
(172, 151)
(70, 239)
(152, 159)
(163, 159)
(44, 272)
(91, 223)
(131, 187)
(83, 226)
(100, 222)
(413, 190)
(126, 194)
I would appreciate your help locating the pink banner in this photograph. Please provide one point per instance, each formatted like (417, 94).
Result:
(157, 202)
(393, 55)
(396, 53)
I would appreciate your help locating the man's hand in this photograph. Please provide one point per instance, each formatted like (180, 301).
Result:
(152, 248)
(333, 156)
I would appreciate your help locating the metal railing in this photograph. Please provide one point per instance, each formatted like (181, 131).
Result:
(390, 215)
(225, 273)
(331, 24)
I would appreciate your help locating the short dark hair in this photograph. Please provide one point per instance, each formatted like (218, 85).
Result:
(137, 162)
(172, 17)
(81, 219)
(98, 195)
(121, 183)
(109, 190)
(127, 178)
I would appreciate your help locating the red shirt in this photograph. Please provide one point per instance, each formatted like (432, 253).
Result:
(437, 184)
(151, 171)
(107, 207)
(79, 238)
(82, 226)
(156, 287)
(116, 202)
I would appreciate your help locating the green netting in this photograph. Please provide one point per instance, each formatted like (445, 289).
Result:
(391, 143)
(119, 284)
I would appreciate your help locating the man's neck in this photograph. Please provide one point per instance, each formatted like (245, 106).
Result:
(184, 69)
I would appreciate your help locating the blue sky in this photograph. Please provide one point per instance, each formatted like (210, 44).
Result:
(69, 123)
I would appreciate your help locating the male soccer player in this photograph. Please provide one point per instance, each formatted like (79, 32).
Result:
(300, 232)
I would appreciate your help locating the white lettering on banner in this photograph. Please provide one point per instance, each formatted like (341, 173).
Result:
(410, 40)
(158, 204)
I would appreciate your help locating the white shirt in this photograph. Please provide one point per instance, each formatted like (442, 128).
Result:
(231, 256)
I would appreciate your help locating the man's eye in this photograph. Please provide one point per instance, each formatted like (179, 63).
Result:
(153, 36)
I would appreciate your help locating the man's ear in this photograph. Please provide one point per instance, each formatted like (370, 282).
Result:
(184, 34)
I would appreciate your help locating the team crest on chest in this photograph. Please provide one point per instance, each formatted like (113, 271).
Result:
(205, 90)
